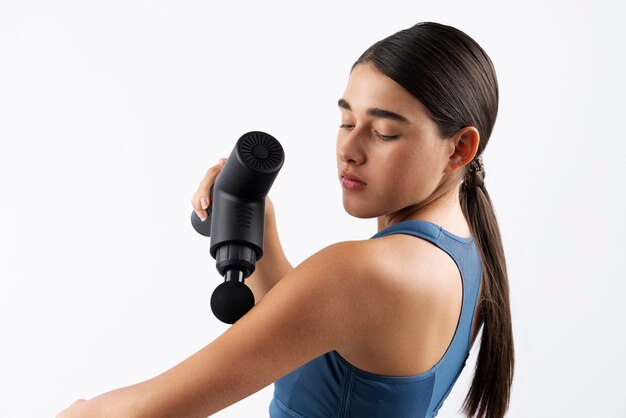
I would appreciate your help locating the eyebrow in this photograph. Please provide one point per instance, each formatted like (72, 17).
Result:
(376, 112)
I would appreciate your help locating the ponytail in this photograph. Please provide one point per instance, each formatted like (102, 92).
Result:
(490, 391)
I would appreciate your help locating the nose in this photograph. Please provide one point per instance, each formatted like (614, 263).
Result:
(350, 148)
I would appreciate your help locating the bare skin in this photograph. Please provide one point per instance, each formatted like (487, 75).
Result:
(396, 308)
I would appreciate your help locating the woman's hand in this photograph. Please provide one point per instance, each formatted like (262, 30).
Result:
(126, 402)
(75, 410)
(201, 199)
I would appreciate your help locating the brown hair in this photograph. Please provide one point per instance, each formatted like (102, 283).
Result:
(452, 76)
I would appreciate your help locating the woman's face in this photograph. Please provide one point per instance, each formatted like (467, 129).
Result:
(388, 141)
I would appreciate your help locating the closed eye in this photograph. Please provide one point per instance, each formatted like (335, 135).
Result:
(378, 134)
(386, 137)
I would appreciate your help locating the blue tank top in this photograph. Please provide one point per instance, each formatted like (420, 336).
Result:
(330, 387)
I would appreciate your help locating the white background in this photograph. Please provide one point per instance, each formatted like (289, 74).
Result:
(111, 112)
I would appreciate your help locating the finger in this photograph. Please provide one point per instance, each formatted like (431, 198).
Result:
(197, 206)
(201, 198)
(209, 178)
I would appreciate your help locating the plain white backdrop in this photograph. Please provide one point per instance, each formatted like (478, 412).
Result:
(111, 112)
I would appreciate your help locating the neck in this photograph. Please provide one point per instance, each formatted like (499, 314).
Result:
(443, 204)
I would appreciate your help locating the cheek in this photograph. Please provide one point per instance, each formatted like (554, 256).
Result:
(410, 175)
(393, 174)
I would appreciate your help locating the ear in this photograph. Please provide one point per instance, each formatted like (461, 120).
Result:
(463, 148)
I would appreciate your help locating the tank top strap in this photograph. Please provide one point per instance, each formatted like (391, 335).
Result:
(424, 229)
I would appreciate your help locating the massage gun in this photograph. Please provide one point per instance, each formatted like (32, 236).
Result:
(236, 219)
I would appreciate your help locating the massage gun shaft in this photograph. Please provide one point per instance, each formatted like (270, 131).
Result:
(234, 274)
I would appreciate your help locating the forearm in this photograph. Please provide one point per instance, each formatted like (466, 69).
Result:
(188, 390)
(208, 381)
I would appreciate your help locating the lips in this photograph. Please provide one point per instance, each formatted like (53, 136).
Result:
(351, 176)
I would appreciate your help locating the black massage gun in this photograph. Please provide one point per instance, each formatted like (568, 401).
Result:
(236, 219)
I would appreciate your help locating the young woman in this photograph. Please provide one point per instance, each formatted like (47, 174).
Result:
(380, 327)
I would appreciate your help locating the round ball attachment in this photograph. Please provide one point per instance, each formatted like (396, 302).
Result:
(231, 300)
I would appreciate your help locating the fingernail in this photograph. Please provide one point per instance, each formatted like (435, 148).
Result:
(201, 216)
(203, 203)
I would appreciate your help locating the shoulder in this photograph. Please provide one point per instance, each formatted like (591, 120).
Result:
(398, 262)
(380, 278)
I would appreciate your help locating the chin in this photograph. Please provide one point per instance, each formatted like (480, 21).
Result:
(358, 210)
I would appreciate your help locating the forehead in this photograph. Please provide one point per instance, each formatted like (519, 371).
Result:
(369, 88)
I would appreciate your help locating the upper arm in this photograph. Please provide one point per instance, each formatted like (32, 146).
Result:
(308, 313)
